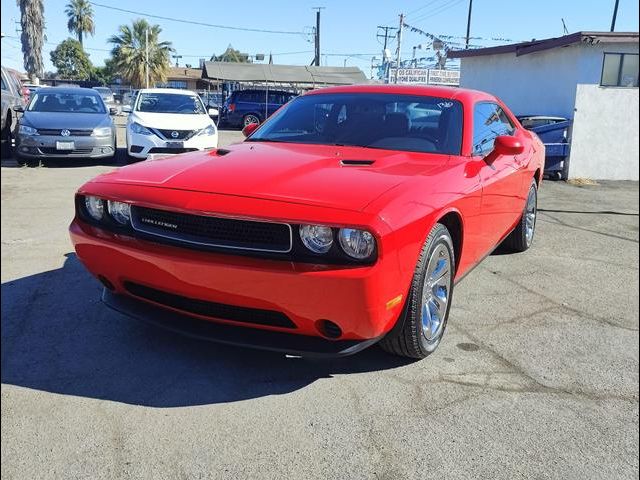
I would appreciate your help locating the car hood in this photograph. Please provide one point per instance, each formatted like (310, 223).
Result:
(167, 121)
(337, 177)
(55, 120)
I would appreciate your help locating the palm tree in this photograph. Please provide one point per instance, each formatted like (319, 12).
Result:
(80, 14)
(129, 53)
(32, 37)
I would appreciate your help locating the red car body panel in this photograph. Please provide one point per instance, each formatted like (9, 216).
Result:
(398, 198)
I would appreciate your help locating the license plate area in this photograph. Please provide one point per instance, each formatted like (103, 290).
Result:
(175, 144)
(65, 146)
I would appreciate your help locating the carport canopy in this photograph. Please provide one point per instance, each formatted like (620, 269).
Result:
(282, 74)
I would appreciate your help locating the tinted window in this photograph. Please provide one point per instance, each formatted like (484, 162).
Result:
(169, 103)
(372, 120)
(43, 101)
(489, 122)
(4, 86)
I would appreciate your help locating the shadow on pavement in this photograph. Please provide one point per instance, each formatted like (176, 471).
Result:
(58, 337)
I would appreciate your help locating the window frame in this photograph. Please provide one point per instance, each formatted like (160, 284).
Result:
(619, 79)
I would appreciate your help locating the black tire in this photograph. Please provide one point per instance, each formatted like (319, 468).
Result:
(6, 138)
(407, 338)
(519, 240)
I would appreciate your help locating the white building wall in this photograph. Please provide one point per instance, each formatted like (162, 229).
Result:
(565, 82)
(604, 143)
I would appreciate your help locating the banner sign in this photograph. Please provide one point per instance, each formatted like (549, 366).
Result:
(425, 76)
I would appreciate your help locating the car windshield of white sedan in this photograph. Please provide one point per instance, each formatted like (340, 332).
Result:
(371, 120)
(170, 103)
(66, 102)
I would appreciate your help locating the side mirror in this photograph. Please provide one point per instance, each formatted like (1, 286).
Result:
(126, 108)
(113, 111)
(18, 108)
(213, 112)
(504, 145)
(249, 129)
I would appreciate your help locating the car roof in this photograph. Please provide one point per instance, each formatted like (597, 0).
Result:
(454, 93)
(176, 91)
(71, 90)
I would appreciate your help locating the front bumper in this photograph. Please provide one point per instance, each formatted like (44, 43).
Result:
(45, 146)
(152, 146)
(354, 298)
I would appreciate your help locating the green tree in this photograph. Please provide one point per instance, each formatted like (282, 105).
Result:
(232, 55)
(71, 61)
(105, 74)
(80, 15)
(32, 36)
(130, 53)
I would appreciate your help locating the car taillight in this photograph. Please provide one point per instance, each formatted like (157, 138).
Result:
(232, 107)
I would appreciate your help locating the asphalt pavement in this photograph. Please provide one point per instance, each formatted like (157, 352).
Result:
(537, 376)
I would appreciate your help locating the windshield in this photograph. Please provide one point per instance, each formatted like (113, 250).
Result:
(44, 101)
(170, 103)
(373, 120)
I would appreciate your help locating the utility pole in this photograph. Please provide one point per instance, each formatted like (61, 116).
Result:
(385, 60)
(146, 57)
(177, 57)
(615, 14)
(466, 42)
(399, 46)
(316, 60)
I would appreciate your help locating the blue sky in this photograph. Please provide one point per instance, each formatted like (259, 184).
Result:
(348, 27)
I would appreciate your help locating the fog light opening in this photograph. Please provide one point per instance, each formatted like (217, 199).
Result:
(107, 284)
(329, 329)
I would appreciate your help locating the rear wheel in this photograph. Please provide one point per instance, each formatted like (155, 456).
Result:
(424, 319)
(521, 239)
(249, 119)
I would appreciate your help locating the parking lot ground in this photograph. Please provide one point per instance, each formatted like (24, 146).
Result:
(537, 376)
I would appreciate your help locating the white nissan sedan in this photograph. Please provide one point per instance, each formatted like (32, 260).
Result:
(164, 121)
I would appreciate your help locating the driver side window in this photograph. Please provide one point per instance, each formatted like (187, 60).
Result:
(489, 122)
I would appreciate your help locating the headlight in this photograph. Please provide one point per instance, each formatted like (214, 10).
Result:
(316, 238)
(95, 207)
(26, 130)
(102, 132)
(120, 212)
(210, 130)
(137, 128)
(356, 243)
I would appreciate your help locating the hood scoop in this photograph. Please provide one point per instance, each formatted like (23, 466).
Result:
(221, 152)
(356, 163)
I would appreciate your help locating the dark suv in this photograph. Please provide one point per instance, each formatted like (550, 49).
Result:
(252, 106)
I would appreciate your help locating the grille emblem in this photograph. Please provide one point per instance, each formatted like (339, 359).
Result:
(65, 133)
(174, 134)
(158, 223)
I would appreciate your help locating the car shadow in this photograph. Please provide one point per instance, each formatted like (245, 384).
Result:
(58, 337)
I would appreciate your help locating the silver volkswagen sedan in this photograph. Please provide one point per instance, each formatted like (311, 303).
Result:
(65, 123)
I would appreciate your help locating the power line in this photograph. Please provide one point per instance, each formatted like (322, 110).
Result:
(193, 22)
(437, 11)
(423, 7)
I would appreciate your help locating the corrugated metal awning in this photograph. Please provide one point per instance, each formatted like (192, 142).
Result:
(288, 74)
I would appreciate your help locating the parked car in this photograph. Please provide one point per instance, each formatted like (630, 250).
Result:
(106, 94)
(129, 97)
(167, 121)
(554, 133)
(320, 233)
(11, 97)
(31, 88)
(62, 122)
(252, 106)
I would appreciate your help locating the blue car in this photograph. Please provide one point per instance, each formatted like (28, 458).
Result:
(252, 106)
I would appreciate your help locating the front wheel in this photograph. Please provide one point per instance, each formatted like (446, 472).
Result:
(422, 324)
(521, 238)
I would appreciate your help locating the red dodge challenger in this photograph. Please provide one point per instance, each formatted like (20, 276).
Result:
(344, 220)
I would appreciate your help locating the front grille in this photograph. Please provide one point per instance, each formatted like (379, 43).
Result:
(213, 231)
(57, 132)
(77, 151)
(211, 309)
(170, 150)
(180, 134)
